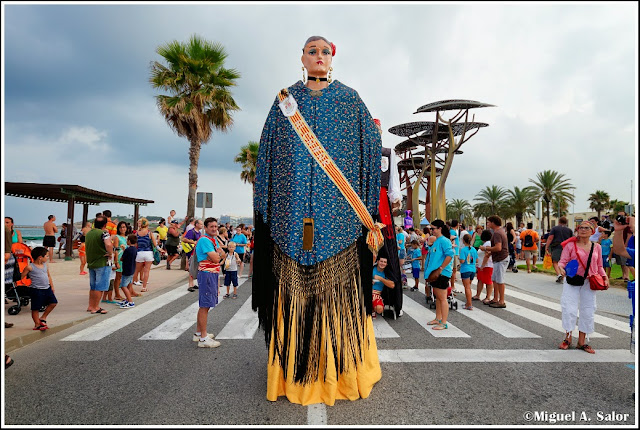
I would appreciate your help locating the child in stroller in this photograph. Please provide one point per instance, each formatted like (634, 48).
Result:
(17, 289)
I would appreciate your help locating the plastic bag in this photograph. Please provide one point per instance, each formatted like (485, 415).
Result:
(546, 263)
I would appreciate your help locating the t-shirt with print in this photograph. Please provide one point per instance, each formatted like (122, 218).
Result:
(231, 262)
(606, 246)
(481, 255)
(499, 236)
(111, 228)
(95, 248)
(468, 257)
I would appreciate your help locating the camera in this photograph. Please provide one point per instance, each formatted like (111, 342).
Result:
(621, 219)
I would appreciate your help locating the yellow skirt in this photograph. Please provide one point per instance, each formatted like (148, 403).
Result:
(355, 382)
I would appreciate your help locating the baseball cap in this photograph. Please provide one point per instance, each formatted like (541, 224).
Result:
(173, 221)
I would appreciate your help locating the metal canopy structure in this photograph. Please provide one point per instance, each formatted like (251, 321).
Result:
(437, 143)
(71, 194)
(450, 105)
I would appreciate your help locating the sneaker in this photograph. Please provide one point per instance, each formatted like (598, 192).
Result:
(208, 343)
(127, 305)
(137, 283)
(196, 337)
(559, 279)
(124, 302)
(414, 289)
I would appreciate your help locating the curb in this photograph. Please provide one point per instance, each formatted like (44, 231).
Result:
(29, 338)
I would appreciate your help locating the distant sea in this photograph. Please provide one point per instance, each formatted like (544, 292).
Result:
(32, 236)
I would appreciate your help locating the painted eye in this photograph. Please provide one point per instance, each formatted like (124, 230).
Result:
(312, 52)
(326, 52)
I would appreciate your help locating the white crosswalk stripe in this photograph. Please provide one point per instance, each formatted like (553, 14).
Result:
(600, 319)
(243, 324)
(176, 325)
(503, 356)
(127, 316)
(382, 329)
(497, 324)
(423, 315)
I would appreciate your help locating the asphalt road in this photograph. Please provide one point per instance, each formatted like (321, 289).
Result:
(129, 375)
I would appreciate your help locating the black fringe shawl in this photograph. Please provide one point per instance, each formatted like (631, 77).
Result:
(309, 296)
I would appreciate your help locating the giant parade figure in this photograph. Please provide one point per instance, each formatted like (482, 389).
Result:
(316, 195)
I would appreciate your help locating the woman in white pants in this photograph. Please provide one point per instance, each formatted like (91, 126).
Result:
(581, 298)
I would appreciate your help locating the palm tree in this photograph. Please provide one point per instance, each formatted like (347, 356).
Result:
(560, 206)
(616, 206)
(248, 157)
(493, 197)
(200, 99)
(521, 202)
(550, 185)
(599, 201)
(461, 210)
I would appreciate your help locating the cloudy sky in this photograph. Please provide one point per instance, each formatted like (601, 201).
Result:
(78, 108)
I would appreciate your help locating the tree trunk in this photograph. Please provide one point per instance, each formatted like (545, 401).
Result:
(194, 157)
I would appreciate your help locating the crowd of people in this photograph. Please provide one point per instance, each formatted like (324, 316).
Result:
(580, 257)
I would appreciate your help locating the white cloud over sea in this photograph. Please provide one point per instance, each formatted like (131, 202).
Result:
(78, 108)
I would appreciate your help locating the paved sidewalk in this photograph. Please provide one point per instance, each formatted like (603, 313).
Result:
(72, 292)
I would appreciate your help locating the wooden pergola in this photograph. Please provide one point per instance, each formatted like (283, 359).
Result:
(72, 194)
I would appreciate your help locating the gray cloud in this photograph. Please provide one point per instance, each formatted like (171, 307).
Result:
(562, 78)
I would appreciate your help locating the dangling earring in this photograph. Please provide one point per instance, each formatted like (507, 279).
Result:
(329, 77)
(304, 79)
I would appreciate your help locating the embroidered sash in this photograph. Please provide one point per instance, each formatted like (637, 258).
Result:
(289, 107)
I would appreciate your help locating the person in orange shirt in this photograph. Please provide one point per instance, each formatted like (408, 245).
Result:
(530, 238)
(111, 227)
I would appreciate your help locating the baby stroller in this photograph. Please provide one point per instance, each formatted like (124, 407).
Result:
(431, 299)
(19, 289)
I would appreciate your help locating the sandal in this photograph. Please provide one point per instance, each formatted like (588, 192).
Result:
(486, 301)
(475, 298)
(434, 322)
(469, 308)
(144, 290)
(191, 289)
(586, 348)
(40, 327)
(235, 296)
(100, 311)
(440, 327)
(226, 296)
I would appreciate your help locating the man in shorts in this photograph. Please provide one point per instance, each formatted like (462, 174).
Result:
(530, 245)
(209, 255)
(557, 235)
(500, 255)
(49, 240)
(99, 249)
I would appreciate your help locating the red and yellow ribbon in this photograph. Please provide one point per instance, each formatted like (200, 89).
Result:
(374, 239)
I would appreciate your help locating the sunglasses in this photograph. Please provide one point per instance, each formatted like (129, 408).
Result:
(584, 228)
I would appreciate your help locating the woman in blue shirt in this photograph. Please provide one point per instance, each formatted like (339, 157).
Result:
(440, 265)
(379, 282)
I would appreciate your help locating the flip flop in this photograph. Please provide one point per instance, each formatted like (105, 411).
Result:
(586, 348)
(100, 311)
(469, 308)
(475, 298)
(144, 290)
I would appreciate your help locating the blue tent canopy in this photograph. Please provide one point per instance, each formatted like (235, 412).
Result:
(424, 221)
